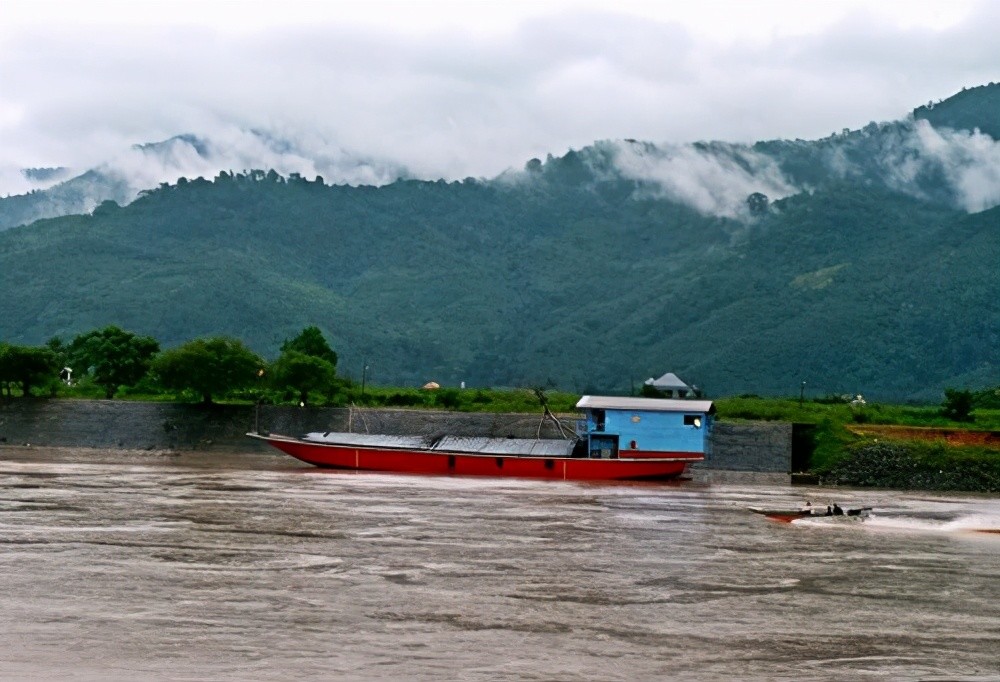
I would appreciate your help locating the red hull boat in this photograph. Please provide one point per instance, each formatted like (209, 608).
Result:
(474, 456)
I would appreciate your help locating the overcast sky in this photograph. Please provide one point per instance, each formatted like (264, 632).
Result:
(453, 89)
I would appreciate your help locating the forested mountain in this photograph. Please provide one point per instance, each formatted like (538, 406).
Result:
(145, 166)
(866, 262)
(970, 109)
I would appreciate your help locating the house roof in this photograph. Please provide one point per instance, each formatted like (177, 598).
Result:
(599, 402)
(668, 380)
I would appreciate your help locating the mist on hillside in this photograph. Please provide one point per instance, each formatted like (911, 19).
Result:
(955, 168)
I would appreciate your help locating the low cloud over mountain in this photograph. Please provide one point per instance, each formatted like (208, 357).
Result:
(923, 156)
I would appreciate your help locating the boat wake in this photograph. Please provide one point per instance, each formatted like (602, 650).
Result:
(987, 524)
(832, 521)
(984, 524)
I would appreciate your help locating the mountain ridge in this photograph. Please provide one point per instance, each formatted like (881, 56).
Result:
(568, 272)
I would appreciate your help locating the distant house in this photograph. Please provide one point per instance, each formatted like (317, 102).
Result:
(670, 386)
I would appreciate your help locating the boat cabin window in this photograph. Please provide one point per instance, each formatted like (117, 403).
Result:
(598, 420)
(692, 420)
(604, 447)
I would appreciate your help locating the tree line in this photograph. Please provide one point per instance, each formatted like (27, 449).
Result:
(111, 359)
(207, 368)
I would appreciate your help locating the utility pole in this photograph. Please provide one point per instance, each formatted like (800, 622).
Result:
(364, 376)
(256, 411)
(802, 393)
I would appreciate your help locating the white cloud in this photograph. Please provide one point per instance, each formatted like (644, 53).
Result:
(456, 89)
(713, 179)
(959, 167)
(970, 162)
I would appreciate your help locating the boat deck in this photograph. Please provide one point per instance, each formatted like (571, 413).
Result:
(482, 445)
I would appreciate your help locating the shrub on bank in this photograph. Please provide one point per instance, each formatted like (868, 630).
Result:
(908, 465)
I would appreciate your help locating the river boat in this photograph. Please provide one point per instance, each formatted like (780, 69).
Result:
(618, 439)
(785, 515)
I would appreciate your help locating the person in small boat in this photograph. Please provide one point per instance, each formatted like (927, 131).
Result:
(829, 511)
(837, 511)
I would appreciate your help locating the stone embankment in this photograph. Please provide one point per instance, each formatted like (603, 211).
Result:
(751, 447)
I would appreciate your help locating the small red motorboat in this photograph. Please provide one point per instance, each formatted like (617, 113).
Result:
(808, 511)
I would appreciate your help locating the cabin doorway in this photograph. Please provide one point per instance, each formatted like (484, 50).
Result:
(604, 447)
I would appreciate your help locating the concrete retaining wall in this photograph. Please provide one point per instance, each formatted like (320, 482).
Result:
(750, 446)
(756, 446)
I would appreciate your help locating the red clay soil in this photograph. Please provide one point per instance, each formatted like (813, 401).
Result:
(990, 439)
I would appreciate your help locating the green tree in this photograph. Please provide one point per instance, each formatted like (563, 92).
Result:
(211, 366)
(302, 373)
(757, 203)
(988, 399)
(648, 391)
(310, 341)
(57, 346)
(26, 365)
(113, 357)
(958, 405)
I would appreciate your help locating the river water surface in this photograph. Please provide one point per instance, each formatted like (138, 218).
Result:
(160, 566)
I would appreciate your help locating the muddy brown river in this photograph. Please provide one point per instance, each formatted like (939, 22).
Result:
(200, 566)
